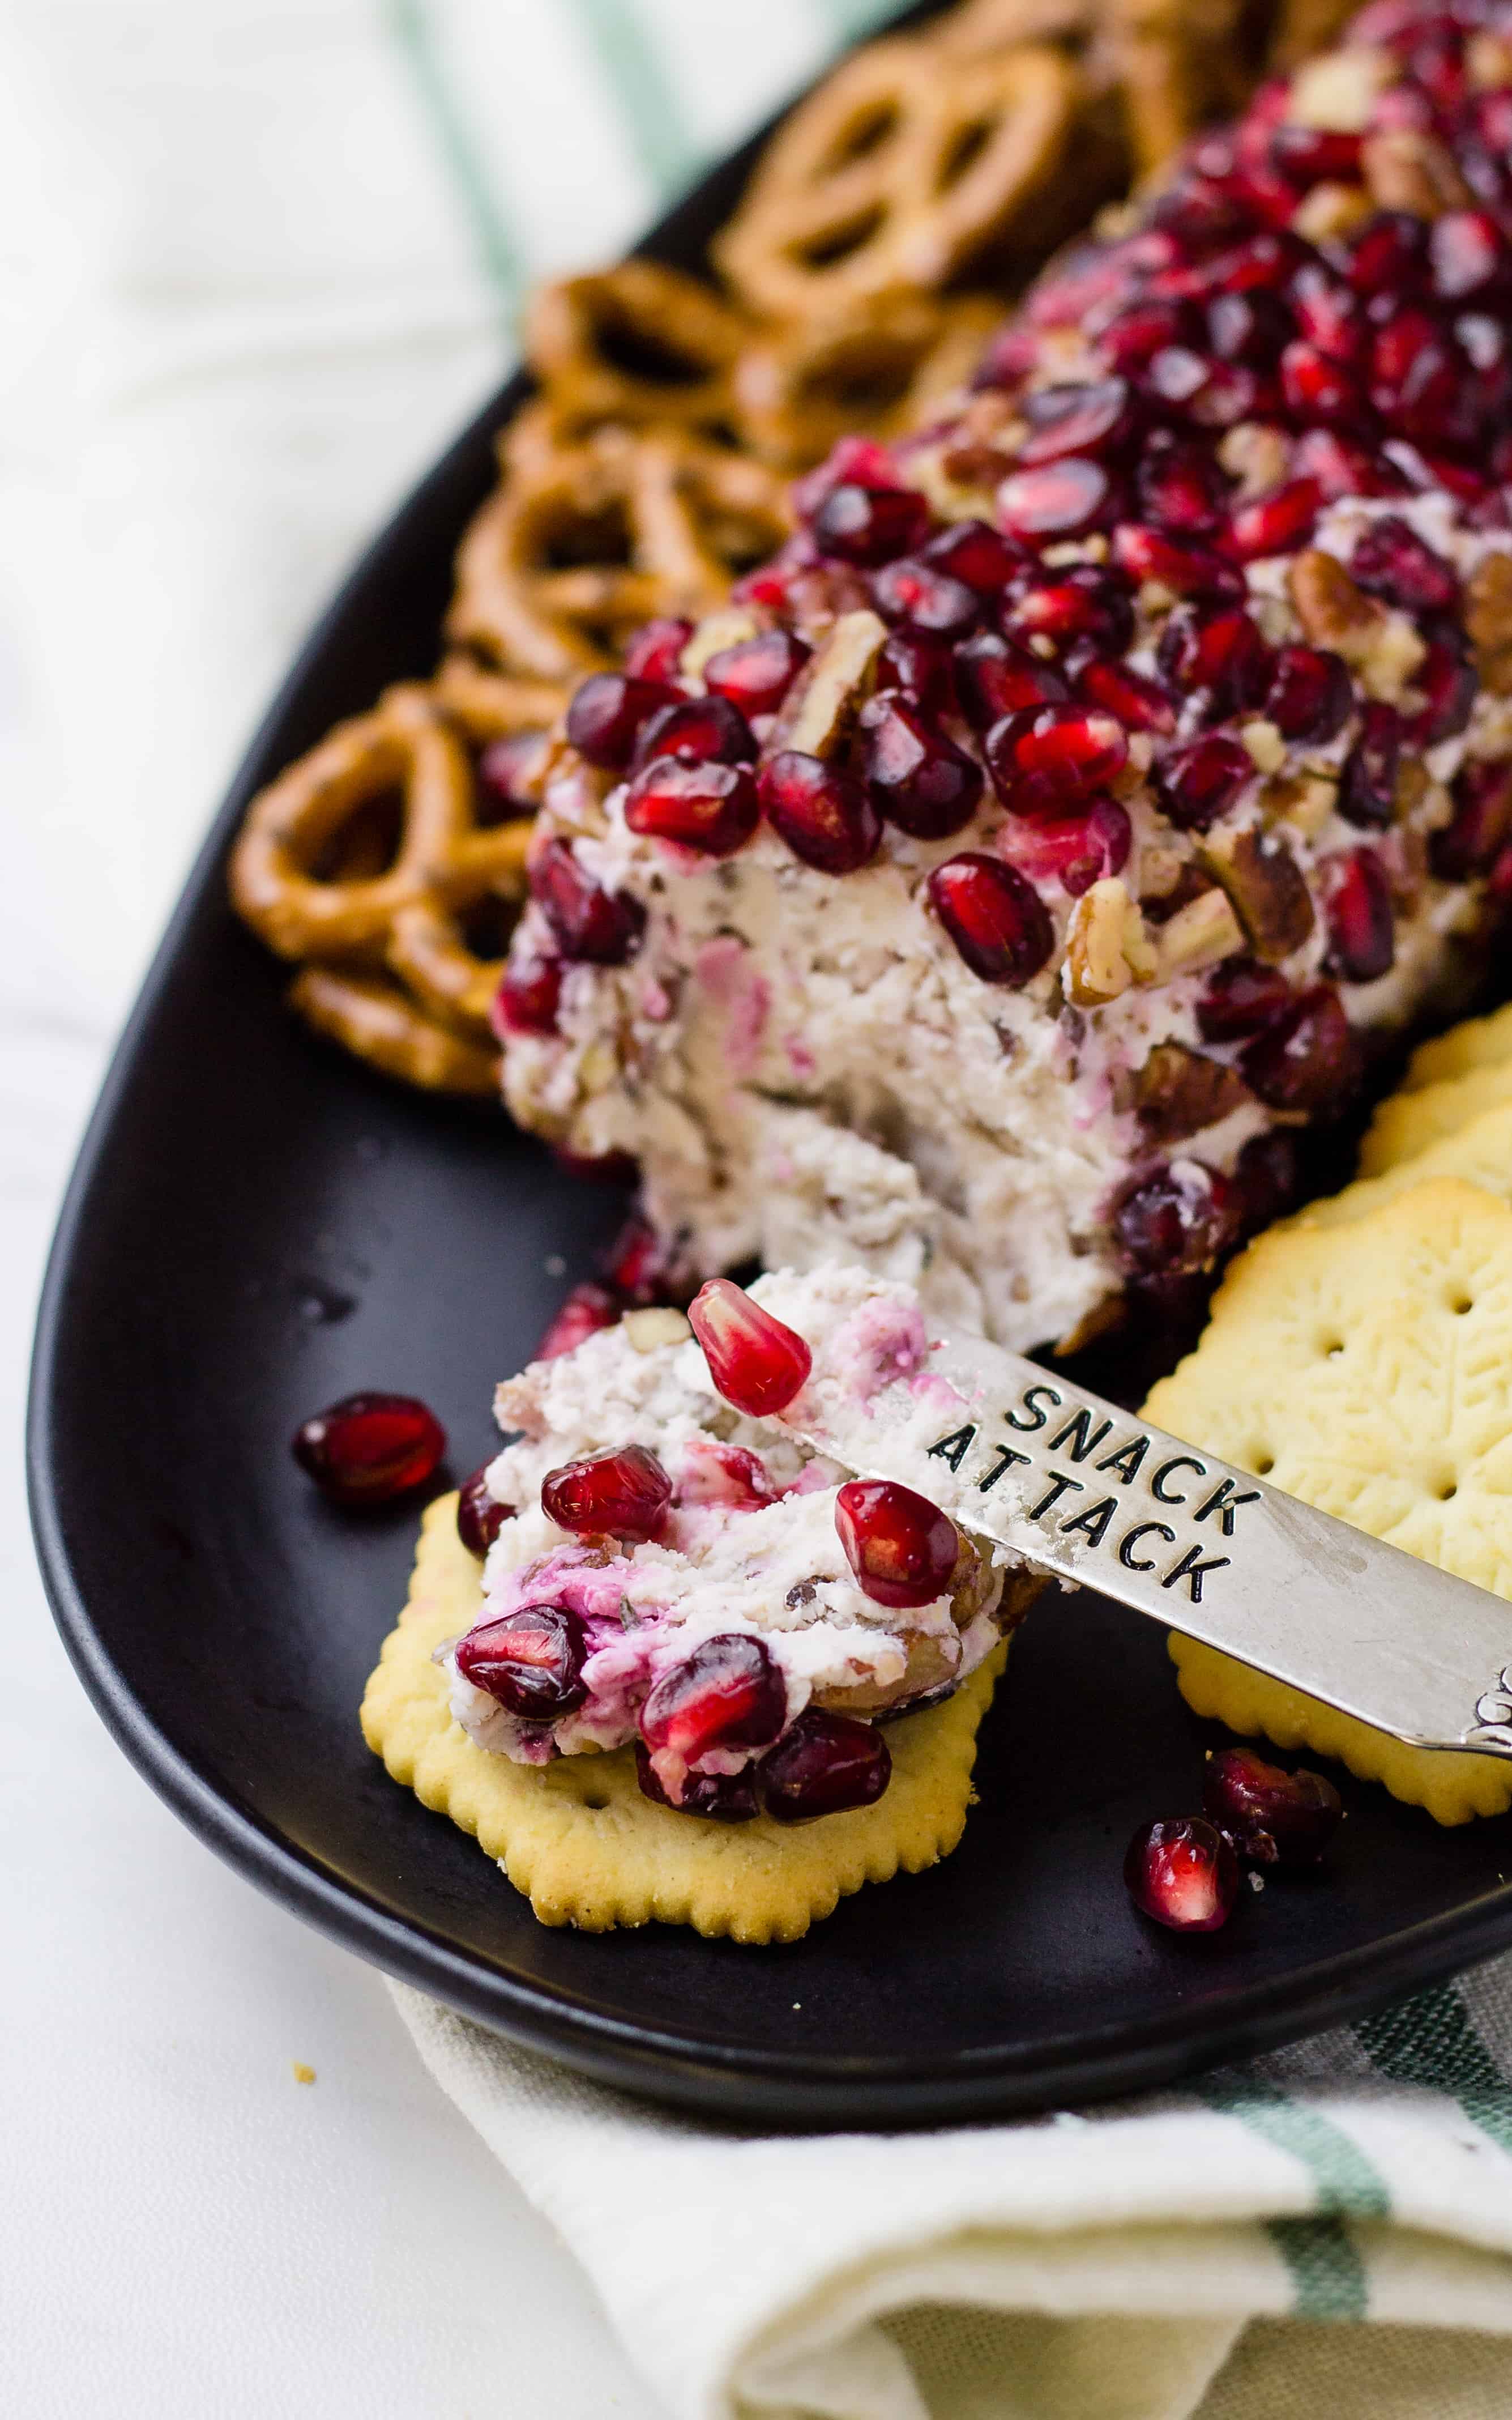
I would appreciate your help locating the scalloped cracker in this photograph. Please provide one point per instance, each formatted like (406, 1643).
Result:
(1413, 1122)
(1478, 1041)
(1373, 1377)
(1480, 1152)
(586, 1848)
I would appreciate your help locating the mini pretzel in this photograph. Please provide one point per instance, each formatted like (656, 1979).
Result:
(1304, 26)
(637, 344)
(492, 706)
(579, 545)
(377, 1021)
(883, 368)
(897, 171)
(980, 27)
(1178, 64)
(292, 871)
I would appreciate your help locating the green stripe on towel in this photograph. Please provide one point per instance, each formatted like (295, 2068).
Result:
(409, 23)
(1328, 2276)
(647, 98)
(1429, 2041)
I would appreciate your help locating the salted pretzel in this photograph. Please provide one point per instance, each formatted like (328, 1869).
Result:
(901, 169)
(637, 345)
(885, 366)
(579, 545)
(376, 1020)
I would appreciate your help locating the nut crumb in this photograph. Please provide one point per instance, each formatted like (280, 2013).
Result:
(302, 2074)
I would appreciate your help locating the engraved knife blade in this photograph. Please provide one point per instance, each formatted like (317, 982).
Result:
(1100, 1498)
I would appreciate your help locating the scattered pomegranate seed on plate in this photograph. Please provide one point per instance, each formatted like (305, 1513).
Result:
(370, 1447)
(1182, 1874)
(1272, 1816)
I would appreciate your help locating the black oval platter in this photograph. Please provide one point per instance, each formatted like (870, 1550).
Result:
(256, 1225)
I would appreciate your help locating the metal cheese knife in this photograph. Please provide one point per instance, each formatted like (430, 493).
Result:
(1101, 1500)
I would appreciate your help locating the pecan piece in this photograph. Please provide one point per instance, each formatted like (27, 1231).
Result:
(1381, 645)
(1488, 621)
(819, 713)
(1177, 1092)
(1266, 886)
(1106, 945)
(1408, 170)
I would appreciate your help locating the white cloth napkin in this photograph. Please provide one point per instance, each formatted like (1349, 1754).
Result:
(257, 259)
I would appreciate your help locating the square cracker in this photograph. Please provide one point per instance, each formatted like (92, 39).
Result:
(1368, 1371)
(586, 1848)
(1480, 1152)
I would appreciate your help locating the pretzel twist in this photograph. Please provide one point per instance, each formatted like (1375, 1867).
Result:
(895, 173)
(886, 368)
(637, 345)
(580, 545)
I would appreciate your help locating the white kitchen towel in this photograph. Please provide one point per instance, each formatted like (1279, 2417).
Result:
(257, 259)
(1096, 2265)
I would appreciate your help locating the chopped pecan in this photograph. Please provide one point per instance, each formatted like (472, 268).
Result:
(1256, 455)
(1488, 61)
(1266, 886)
(1404, 856)
(1338, 91)
(1488, 621)
(1199, 934)
(1330, 212)
(1177, 1092)
(1381, 646)
(1267, 749)
(1303, 801)
(1106, 945)
(717, 630)
(819, 713)
(1408, 170)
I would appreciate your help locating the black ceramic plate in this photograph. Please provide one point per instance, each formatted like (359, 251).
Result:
(255, 1226)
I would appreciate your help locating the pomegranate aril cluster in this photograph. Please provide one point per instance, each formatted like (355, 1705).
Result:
(1183, 1872)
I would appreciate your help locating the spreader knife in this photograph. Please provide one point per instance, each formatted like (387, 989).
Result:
(1101, 1500)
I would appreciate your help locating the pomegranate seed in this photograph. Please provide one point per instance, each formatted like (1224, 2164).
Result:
(502, 771)
(368, 1447)
(1317, 389)
(1074, 850)
(1389, 255)
(597, 1167)
(828, 1764)
(1341, 467)
(710, 807)
(655, 651)
(528, 998)
(1182, 1874)
(1423, 472)
(1277, 523)
(920, 669)
(727, 1694)
(1055, 499)
(860, 460)
(756, 674)
(530, 1661)
(1211, 393)
(1272, 1818)
(1143, 553)
(1328, 315)
(1362, 940)
(1466, 253)
(1311, 695)
(479, 1515)
(1091, 419)
(606, 715)
(1241, 997)
(1248, 327)
(696, 730)
(1083, 604)
(1049, 755)
(980, 555)
(1418, 382)
(1391, 561)
(634, 1265)
(1450, 686)
(588, 1308)
(1315, 155)
(902, 1548)
(1133, 337)
(601, 927)
(997, 919)
(917, 593)
(823, 813)
(1138, 699)
(1221, 654)
(1267, 1179)
(1198, 214)
(756, 1363)
(723, 1797)
(917, 779)
(711, 1473)
(869, 525)
(1367, 785)
(992, 678)
(1174, 1223)
(1470, 842)
(1198, 781)
(1306, 1059)
(1180, 486)
(619, 1495)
